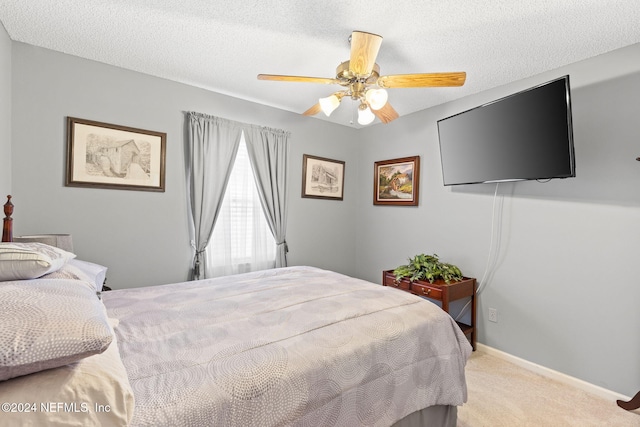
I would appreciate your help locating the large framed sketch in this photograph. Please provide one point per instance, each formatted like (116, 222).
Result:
(104, 155)
(396, 181)
(322, 178)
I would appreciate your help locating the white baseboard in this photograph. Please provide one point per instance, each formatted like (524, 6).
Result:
(555, 375)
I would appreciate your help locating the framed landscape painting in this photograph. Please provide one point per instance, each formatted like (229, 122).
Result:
(396, 181)
(103, 155)
(322, 178)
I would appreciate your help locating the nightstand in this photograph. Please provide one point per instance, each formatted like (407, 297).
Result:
(443, 292)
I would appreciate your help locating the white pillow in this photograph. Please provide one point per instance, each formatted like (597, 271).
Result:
(96, 380)
(20, 261)
(70, 272)
(46, 323)
(96, 273)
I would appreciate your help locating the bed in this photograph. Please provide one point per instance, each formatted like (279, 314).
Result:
(292, 346)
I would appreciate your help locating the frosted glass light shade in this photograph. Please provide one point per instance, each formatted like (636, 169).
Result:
(376, 98)
(328, 104)
(365, 116)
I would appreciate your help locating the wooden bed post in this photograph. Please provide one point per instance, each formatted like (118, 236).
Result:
(7, 224)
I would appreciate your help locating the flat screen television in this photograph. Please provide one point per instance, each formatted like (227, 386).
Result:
(524, 136)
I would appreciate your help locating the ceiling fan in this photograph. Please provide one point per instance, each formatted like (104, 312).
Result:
(360, 76)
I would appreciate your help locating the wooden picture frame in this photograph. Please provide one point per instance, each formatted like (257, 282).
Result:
(322, 178)
(104, 155)
(396, 181)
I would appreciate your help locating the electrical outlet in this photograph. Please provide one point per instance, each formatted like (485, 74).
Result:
(493, 315)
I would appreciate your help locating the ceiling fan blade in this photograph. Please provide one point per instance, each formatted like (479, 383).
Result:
(313, 110)
(301, 79)
(423, 80)
(386, 114)
(364, 50)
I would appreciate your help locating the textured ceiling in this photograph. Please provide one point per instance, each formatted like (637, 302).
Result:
(223, 45)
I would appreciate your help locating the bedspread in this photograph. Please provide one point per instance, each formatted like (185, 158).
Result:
(292, 346)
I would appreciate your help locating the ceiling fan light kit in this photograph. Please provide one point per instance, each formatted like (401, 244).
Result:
(365, 116)
(360, 76)
(376, 98)
(329, 104)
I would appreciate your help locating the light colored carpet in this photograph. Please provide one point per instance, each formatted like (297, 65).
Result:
(501, 393)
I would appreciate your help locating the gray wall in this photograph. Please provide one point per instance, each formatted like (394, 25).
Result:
(565, 284)
(5, 115)
(143, 236)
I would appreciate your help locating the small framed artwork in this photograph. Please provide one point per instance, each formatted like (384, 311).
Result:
(396, 181)
(322, 178)
(103, 155)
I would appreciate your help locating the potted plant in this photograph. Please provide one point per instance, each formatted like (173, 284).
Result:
(428, 268)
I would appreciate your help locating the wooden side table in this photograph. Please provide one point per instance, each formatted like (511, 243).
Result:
(443, 292)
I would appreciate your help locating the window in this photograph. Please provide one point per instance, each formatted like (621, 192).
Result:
(241, 240)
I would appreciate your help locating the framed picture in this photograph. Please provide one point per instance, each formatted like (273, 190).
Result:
(322, 178)
(103, 155)
(396, 181)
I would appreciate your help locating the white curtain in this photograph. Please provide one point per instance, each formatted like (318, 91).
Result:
(241, 240)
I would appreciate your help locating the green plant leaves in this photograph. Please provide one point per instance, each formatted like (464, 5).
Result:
(428, 268)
